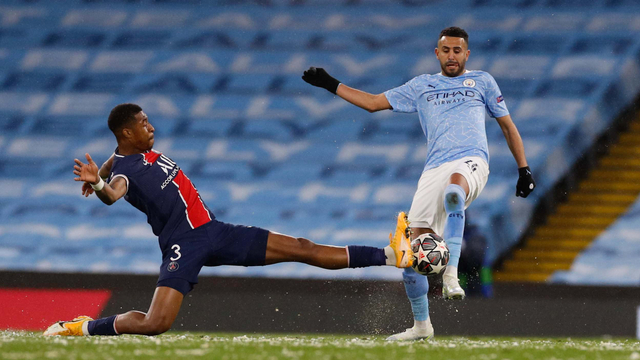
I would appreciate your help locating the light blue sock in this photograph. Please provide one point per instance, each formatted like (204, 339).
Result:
(454, 198)
(417, 287)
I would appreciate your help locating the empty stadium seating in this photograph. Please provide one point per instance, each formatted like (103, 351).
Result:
(221, 84)
(612, 258)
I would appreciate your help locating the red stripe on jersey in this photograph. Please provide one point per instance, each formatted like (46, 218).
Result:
(151, 156)
(197, 213)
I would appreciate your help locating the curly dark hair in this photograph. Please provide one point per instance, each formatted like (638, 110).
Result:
(122, 115)
(455, 31)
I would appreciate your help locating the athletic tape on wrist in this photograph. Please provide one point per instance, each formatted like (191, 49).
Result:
(98, 186)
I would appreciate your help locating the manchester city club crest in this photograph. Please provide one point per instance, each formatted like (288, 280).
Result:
(173, 266)
(469, 83)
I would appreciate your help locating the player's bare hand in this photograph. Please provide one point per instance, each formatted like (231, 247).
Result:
(86, 172)
(87, 189)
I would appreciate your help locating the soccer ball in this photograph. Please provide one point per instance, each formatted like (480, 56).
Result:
(430, 254)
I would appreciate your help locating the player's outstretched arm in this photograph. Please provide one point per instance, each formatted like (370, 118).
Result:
(104, 171)
(87, 189)
(107, 193)
(525, 184)
(370, 102)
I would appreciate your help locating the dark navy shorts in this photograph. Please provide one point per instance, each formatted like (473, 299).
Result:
(212, 244)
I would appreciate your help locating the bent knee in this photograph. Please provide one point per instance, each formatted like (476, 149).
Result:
(157, 327)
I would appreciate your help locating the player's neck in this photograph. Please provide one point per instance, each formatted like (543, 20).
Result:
(462, 73)
(129, 149)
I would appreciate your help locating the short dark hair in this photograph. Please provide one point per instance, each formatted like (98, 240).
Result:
(122, 115)
(455, 31)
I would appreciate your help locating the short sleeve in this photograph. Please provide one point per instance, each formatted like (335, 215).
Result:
(494, 101)
(402, 98)
(119, 169)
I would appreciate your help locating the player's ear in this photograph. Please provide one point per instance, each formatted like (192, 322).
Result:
(126, 133)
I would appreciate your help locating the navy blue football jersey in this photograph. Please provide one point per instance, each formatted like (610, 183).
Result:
(159, 188)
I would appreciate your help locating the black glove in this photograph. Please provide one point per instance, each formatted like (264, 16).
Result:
(318, 77)
(525, 184)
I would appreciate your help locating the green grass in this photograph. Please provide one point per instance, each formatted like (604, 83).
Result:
(28, 345)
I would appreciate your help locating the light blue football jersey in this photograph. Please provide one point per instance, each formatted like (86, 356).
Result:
(451, 112)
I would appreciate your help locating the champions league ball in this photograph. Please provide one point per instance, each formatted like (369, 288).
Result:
(430, 254)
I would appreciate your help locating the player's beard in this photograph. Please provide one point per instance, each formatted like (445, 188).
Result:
(458, 72)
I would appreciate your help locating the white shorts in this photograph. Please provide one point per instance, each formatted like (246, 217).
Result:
(427, 208)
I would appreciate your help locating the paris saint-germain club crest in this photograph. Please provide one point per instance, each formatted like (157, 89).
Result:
(469, 83)
(173, 266)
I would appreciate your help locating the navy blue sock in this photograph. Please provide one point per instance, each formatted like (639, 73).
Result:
(104, 326)
(364, 256)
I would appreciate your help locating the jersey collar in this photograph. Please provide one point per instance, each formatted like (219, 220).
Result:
(465, 72)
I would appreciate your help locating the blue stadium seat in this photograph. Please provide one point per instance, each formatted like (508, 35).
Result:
(165, 83)
(11, 123)
(536, 45)
(515, 88)
(222, 87)
(294, 173)
(601, 44)
(337, 130)
(224, 171)
(33, 81)
(243, 84)
(87, 82)
(572, 4)
(140, 39)
(119, 211)
(405, 128)
(350, 174)
(75, 38)
(578, 88)
(205, 40)
(58, 126)
(18, 37)
(23, 243)
(22, 169)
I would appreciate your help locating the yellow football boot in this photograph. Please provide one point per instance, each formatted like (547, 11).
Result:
(75, 327)
(400, 242)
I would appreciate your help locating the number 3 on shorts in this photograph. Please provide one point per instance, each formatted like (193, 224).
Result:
(176, 249)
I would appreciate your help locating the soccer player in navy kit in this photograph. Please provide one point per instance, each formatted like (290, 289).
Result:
(451, 106)
(189, 235)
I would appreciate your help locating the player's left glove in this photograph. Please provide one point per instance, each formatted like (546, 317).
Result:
(525, 184)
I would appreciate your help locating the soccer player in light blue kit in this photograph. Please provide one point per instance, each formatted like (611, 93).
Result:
(451, 107)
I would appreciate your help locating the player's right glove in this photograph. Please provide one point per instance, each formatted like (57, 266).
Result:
(320, 78)
(525, 184)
